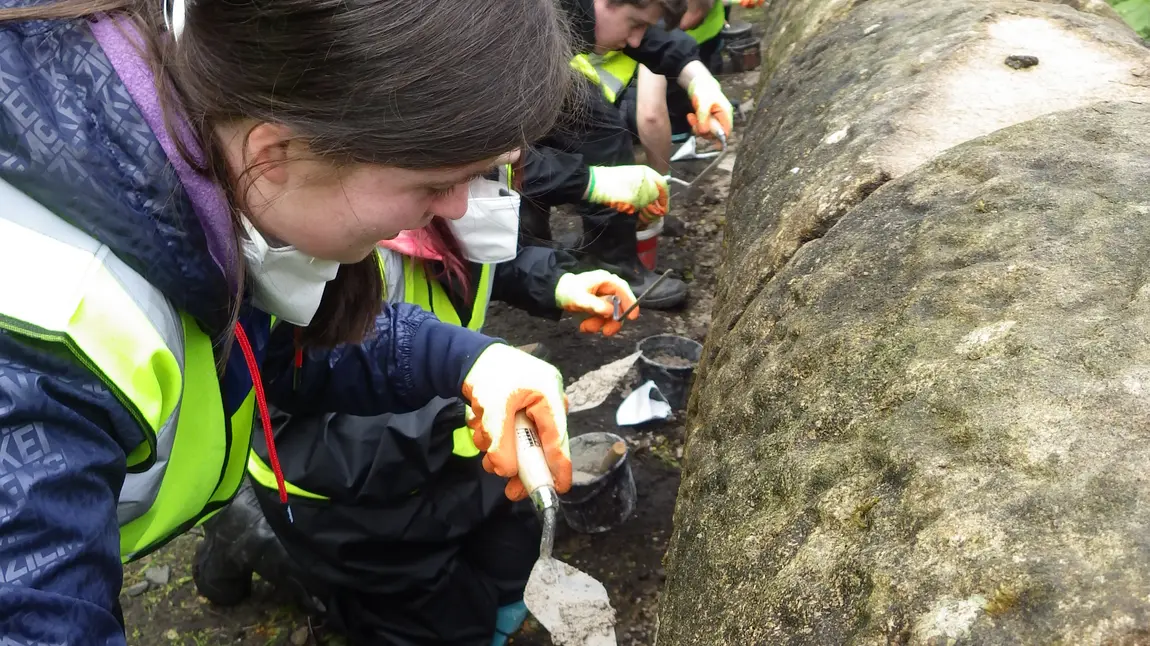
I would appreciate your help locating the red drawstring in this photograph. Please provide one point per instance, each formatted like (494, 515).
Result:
(298, 364)
(265, 419)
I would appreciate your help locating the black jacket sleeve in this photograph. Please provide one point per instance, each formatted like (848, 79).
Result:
(552, 177)
(665, 53)
(528, 281)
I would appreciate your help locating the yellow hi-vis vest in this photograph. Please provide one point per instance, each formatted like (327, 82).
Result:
(712, 25)
(610, 72)
(428, 293)
(74, 293)
(613, 71)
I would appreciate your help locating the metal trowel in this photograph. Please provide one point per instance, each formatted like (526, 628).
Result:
(685, 154)
(570, 604)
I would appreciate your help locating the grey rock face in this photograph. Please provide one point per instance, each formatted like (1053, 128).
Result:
(923, 412)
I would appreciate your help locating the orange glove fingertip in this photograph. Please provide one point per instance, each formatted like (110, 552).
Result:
(634, 314)
(515, 491)
(560, 470)
(611, 328)
(591, 325)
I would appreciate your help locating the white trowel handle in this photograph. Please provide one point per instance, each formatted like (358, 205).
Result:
(533, 469)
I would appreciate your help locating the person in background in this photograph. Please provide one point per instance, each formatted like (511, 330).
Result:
(399, 536)
(192, 201)
(589, 159)
(656, 112)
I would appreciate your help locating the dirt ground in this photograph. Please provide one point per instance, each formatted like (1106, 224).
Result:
(627, 559)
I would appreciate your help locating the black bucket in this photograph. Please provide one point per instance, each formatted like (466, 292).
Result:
(598, 501)
(669, 361)
(742, 47)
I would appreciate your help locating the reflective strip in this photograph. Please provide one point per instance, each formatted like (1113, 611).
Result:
(192, 480)
(712, 25)
(611, 72)
(616, 70)
(583, 65)
(113, 320)
(75, 292)
(506, 175)
(607, 84)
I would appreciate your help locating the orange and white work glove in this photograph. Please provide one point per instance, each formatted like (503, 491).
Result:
(591, 292)
(750, 4)
(654, 211)
(710, 104)
(629, 189)
(502, 382)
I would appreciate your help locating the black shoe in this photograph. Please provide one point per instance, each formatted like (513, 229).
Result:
(220, 571)
(239, 541)
(673, 227)
(668, 294)
(616, 254)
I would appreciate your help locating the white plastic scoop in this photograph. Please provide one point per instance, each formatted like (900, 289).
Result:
(687, 152)
(570, 604)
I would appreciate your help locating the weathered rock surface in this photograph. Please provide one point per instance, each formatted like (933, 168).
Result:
(790, 23)
(923, 414)
(889, 85)
(934, 422)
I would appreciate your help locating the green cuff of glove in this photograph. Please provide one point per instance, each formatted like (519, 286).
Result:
(590, 183)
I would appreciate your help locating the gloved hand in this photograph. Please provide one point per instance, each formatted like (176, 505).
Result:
(750, 4)
(710, 103)
(655, 210)
(502, 382)
(585, 293)
(628, 188)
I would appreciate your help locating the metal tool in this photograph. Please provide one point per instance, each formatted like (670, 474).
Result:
(536, 477)
(620, 314)
(570, 604)
(716, 157)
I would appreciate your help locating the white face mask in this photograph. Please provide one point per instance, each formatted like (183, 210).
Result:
(489, 232)
(288, 283)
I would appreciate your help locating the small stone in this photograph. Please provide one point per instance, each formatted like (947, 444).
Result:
(137, 589)
(872, 29)
(1021, 61)
(158, 575)
(299, 637)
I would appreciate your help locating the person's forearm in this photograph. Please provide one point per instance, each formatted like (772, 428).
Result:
(411, 358)
(693, 70)
(696, 13)
(653, 121)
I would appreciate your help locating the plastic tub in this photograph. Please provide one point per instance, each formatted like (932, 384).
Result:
(598, 501)
(669, 360)
(742, 47)
(647, 243)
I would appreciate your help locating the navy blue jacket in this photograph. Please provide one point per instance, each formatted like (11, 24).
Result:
(72, 138)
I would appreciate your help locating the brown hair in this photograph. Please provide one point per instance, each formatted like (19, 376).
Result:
(673, 10)
(407, 83)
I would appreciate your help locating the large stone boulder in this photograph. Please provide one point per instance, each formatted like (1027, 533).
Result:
(923, 413)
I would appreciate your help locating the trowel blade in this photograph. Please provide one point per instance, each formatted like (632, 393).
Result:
(570, 604)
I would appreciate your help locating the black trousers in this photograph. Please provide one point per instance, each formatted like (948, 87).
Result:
(601, 135)
(384, 591)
